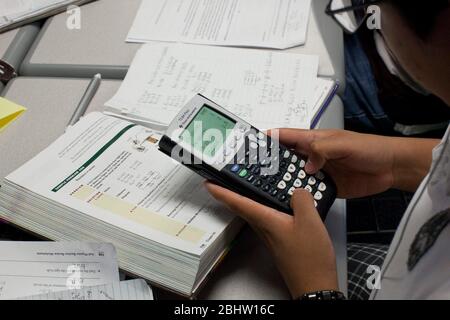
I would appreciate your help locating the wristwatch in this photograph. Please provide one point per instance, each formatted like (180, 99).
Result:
(326, 295)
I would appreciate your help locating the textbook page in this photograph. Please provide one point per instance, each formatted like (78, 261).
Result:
(278, 24)
(125, 290)
(29, 268)
(112, 170)
(267, 89)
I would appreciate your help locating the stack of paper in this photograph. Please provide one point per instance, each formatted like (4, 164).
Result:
(267, 89)
(105, 180)
(278, 24)
(14, 13)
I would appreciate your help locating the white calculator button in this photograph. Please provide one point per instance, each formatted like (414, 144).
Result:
(287, 177)
(253, 145)
(315, 203)
(297, 183)
(312, 181)
(294, 159)
(302, 163)
(309, 189)
(322, 187)
(318, 196)
(320, 175)
(302, 174)
(282, 185)
(292, 168)
(287, 154)
(252, 137)
(291, 191)
(261, 135)
(262, 143)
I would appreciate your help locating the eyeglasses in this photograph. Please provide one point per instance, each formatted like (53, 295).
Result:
(350, 14)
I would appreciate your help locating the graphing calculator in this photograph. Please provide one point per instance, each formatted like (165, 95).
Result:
(230, 152)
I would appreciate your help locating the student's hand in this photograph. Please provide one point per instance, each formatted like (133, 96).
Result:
(300, 244)
(363, 164)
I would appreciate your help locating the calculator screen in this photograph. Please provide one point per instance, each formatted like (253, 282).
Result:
(208, 131)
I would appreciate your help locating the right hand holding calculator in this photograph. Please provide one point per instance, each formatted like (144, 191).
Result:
(230, 152)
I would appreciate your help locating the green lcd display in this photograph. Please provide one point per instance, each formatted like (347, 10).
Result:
(208, 131)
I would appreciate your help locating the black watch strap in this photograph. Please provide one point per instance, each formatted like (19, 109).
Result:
(326, 295)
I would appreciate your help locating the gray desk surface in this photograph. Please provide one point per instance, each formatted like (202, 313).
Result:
(100, 44)
(247, 273)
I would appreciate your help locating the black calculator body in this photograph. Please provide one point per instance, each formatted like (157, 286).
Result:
(228, 151)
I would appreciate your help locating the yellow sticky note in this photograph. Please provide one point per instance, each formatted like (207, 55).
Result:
(9, 111)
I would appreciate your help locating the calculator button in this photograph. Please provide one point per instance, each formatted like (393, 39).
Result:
(294, 159)
(243, 173)
(262, 143)
(282, 185)
(251, 179)
(309, 189)
(252, 137)
(272, 180)
(302, 174)
(258, 183)
(261, 135)
(233, 144)
(320, 175)
(291, 191)
(235, 168)
(266, 188)
(322, 187)
(257, 170)
(286, 154)
(238, 136)
(253, 145)
(318, 196)
(312, 181)
(249, 167)
(292, 168)
(274, 192)
(297, 183)
(302, 163)
(282, 198)
(287, 177)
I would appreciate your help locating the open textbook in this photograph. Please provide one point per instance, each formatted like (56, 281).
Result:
(32, 268)
(14, 13)
(105, 180)
(125, 290)
(268, 89)
(278, 24)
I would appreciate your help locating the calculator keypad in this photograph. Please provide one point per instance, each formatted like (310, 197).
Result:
(291, 174)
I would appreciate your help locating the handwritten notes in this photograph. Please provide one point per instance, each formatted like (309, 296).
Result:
(30, 268)
(268, 89)
(9, 111)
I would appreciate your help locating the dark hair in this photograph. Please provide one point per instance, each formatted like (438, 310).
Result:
(421, 15)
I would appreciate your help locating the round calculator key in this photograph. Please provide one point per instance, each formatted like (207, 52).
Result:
(309, 189)
(297, 183)
(322, 187)
(261, 135)
(287, 177)
(302, 163)
(258, 183)
(286, 154)
(252, 137)
(292, 168)
(235, 168)
(294, 159)
(251, 179)
(318, 196)
(291, 191)
(282, 185)
(253, 145)
(262, 144)
(282, 198)
(320, 175)
(302, 174)
(243, 173)
(274, 192)
(312, 181)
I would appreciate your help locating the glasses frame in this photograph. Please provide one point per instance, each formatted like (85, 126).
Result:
(332, 13)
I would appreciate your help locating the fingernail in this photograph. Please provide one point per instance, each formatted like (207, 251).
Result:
(309, 167)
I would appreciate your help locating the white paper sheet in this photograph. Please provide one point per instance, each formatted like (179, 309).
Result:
(29, 268)
(125, 290)
(267, 89)
(276, 24)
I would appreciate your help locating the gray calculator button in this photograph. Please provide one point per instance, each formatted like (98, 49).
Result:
(297, 183)
(282, 185)
(309, 189)
(302, 174)
(318, 196)
(312, 181)
(302, 163)
(322, 187)
(292, 168)
(261, 135)
(253, 145)
(252, 137)
(287, 154)
(262, 143)
(320, 175)
(287, 177)
(294, 159)
(291, 191)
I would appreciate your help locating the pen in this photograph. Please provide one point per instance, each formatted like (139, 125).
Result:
(88, 95)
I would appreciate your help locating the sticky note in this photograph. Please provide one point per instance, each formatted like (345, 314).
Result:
(9, 111)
